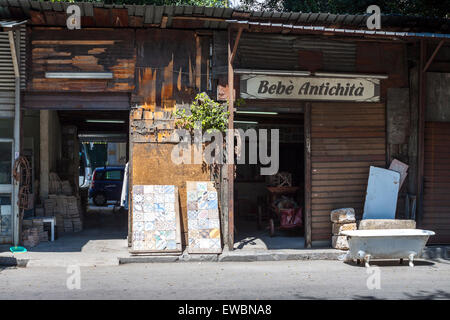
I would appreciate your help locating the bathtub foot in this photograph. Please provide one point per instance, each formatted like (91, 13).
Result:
(367, 260)
(411, 260)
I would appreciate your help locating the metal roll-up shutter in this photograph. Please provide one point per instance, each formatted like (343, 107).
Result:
(436, 195)
(281, 52)
(7, 78)
(22, 58)
(346, 139)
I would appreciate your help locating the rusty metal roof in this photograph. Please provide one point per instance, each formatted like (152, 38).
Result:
(351, 32)
(101, 14)
(6, 25)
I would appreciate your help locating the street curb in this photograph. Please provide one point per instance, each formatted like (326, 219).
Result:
(147, 259)
(13, 262)
(227, 256)
(429, 253)
(280, 256)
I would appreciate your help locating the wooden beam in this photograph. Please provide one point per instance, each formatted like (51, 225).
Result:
(15, 61)
(198, 18)
(230, 147)
(308, 213)
(433, 55)
(236, 43)
(421, 134)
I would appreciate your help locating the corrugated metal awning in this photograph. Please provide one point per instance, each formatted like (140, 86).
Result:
(8, 25)
(134, 15)
(351, 32)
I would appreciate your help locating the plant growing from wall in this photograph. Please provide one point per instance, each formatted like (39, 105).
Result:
(204, 111)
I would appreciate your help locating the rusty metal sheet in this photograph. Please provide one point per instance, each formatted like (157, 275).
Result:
(82, 50)
(436, 202)
(397, 110)
(151, 165)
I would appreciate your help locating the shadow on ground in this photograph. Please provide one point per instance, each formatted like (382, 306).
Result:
(248, 237)
(420, 295)
(391, 263)
(102, 227)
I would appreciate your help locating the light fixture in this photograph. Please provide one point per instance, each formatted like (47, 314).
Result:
(247, 122)
(104, 121)
(78, 75)
(272, 72)
(257, 112)
(350, 75)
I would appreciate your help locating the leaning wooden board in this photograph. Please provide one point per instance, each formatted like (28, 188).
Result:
(156, 219)
(203, 217)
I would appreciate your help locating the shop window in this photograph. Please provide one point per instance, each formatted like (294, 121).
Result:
(113, 175)
(5, 162)
(7, 128)
(5, 215)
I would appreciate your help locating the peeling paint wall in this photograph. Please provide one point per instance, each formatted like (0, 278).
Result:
(62, 50)
(168, 74)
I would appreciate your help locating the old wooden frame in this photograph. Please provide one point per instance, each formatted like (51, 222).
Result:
(307, 152)
(230, 150)
(424, 64)
(232, 49)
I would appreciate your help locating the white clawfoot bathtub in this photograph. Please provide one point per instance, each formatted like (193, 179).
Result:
(365, 245)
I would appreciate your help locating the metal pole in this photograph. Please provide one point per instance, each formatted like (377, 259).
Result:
(14, 39)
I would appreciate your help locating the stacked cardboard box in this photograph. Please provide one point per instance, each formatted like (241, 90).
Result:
(66, 188)
(30, 237)
(39, 225)
(49, 206)
(67, 214)
(33, 232)
(59, 223)
(27, 224)
(343, 220)
(54, 186)
(39, 212)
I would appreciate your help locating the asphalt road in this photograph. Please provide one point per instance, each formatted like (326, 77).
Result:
(232, 280)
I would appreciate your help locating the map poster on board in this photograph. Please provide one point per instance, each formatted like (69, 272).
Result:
(155, 219)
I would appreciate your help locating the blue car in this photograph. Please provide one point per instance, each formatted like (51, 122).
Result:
(106, 185)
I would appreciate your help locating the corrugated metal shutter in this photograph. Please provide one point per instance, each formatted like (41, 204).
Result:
(436, 200)
(346, 139)
(7, 78)
(281, 52)
(23, 52)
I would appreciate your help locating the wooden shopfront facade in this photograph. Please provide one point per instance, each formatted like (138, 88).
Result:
(344, 138)
(155, 59)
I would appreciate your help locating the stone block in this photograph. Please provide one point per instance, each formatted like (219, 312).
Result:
(344, 215)
(373, 224)
(339, 242)
(339, 227)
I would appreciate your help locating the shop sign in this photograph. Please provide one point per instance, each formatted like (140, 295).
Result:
(309, 88)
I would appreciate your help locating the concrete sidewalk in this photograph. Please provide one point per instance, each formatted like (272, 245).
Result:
(90, 259)
(118, 257)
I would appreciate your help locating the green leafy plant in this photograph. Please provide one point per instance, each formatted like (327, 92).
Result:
(204, 111)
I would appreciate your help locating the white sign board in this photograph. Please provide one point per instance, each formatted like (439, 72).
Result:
(309, 88)
(382, 194)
